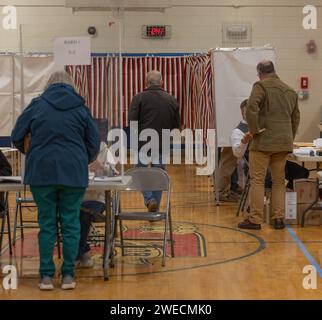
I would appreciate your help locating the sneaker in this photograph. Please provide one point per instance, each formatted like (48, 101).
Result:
(155, 217)
(46, 284)
(152, 206)
(247, 224)
(85, 262)
(68, 283)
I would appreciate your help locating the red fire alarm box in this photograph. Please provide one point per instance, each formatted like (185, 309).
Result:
(304, 82)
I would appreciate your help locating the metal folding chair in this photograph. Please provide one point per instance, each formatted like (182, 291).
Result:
(315, 205)
(5, 219)
(244, 196)
(24, 202)
(147, 179)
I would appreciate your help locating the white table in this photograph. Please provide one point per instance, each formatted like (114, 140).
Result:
(106, 186)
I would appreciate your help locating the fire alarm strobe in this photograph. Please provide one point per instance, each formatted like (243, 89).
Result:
(304, 82)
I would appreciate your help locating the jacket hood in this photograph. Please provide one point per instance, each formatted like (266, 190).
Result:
(62, 97)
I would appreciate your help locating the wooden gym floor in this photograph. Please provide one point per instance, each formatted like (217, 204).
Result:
(214, 260)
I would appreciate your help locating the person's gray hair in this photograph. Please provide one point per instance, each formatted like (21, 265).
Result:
(154, 78)
(265, 67)
(60, 77)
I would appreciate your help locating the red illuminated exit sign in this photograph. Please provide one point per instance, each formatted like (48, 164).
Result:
(156, 32)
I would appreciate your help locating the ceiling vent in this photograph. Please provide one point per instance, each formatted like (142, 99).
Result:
(237, 35)
(126, 5)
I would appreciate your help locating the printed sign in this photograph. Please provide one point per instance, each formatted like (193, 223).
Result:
(72, 51)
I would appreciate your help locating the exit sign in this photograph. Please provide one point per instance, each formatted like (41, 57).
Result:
(156, 32)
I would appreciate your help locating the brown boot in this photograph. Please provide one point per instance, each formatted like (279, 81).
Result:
(247, 224)
(152, 206)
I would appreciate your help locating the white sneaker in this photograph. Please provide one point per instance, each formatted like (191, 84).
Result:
(68, 283)
(46, 284)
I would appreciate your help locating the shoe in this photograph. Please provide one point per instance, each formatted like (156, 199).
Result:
(279, 224)
(152, 206)
(228, 198)
(46, 284)
(247, 224)
(68, 283)
(235, 195)
(239, 190)
(85, 262)
(155, 217)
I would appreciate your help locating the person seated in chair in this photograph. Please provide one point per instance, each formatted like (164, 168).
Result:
(240, 138)
(229, 190)
(5, 170)
(93, 205)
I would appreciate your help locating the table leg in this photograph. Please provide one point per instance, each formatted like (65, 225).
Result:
(2, 230)
(8, 223)
(107, 240)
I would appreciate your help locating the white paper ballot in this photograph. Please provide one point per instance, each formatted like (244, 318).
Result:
(304, 151)
(106, 179)
(10, 179)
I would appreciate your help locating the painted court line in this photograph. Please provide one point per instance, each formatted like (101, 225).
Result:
(304, 250)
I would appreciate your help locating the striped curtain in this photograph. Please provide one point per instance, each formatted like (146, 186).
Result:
(91, 82)
(188, 79)
(198, 110)
(135, 70)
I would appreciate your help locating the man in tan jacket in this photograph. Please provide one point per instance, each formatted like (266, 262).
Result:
(273, 117)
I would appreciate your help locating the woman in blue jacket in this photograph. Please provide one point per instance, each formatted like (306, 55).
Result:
(64, 140)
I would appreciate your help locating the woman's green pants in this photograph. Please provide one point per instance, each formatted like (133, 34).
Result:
(63, 203)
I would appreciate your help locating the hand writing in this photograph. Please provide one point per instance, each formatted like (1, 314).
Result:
(96, 165)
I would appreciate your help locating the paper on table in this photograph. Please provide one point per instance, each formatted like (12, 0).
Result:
(304, 151)
(105, 179)
(10, 179)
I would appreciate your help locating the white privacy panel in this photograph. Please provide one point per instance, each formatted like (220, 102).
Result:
(6, 94)
(235, 74)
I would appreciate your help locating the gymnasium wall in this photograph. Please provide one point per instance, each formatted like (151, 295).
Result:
(194, 28)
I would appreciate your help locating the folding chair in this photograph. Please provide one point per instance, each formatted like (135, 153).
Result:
(315, 205)
(147, 179)
(244, 196)
(22, 201)
(4, 216)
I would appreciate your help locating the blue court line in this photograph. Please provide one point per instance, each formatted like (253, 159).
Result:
(304, 250)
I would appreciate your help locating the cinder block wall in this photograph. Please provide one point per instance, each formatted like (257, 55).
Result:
(196, 26)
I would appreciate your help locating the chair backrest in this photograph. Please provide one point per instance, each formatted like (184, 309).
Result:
(148, 179)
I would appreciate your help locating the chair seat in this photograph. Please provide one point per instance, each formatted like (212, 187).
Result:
(151, 216)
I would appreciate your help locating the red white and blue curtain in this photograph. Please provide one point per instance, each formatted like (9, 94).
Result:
(187, 78)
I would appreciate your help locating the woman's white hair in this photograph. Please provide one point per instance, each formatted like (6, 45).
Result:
(60, 77)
